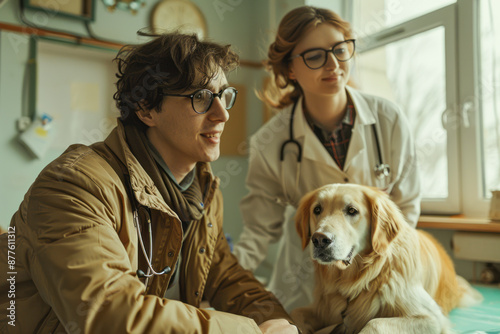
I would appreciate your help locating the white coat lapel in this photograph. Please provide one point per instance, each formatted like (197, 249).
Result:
(362, 125)
(312, 148)
(364, 113)
(356, 145)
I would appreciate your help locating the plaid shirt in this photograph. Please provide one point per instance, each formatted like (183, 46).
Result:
(337, 142)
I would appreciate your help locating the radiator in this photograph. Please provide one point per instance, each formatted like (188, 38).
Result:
(477, 246)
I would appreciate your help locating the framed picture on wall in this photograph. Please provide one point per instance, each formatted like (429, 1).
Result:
(76, 9)
(235, 131)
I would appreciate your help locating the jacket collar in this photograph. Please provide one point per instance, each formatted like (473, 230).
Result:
(142, 185)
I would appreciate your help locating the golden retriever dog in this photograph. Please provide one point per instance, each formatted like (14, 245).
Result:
(374, 272)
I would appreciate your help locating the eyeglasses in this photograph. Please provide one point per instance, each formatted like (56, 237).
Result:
(201, 100)
(316, 58)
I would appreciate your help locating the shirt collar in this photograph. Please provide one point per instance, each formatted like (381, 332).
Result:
(348, 119)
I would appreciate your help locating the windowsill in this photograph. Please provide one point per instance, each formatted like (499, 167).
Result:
(458, 223)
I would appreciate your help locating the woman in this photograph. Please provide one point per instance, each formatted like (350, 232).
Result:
(339, 135)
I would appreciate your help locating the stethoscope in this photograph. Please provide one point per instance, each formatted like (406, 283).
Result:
(382, 171)
(147, 255)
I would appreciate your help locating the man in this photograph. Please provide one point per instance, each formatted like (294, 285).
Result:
(125, 236)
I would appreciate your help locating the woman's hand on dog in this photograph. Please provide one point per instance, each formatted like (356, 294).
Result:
(276, 326)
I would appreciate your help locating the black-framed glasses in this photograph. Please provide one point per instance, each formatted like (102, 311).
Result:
(316, 58)
(202, 99)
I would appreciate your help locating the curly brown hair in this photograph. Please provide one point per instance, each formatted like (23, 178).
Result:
(292, 27)
(168, 63)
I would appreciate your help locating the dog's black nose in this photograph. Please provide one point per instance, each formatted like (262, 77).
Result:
(320, 240)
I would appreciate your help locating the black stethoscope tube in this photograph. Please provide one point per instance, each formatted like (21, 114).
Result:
(291, 139)
(374, 128)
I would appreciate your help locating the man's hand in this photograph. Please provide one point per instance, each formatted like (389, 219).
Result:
(280, 326)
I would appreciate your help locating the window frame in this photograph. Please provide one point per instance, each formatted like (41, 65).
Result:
(474, 203)
(466, 189)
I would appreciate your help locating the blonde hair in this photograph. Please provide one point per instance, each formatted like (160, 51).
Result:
(282, 91)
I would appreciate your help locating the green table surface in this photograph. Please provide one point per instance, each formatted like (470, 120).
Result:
(480, 319)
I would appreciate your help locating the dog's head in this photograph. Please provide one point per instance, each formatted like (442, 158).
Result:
(343, 220)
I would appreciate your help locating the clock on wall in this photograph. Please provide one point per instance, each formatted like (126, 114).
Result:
(181, 15)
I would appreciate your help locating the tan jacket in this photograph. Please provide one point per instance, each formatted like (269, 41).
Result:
(76, 256)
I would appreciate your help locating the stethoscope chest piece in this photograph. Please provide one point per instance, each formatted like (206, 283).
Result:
(382, 171)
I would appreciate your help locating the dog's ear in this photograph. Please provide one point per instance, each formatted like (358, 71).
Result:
(386, 220)
(302, 218)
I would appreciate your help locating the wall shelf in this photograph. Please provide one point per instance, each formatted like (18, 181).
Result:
(458, 223)
(89, 41)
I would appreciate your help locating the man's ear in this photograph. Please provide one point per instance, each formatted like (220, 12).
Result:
(302, 218)
(291, 73)
(146, 116)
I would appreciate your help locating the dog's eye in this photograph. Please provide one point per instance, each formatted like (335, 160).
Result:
(352, 211)
(317, 209)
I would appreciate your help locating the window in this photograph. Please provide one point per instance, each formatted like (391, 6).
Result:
(413, 74)
(371, 16)
(440, 67)
(489, 92)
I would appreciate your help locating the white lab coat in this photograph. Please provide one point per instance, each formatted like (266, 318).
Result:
(269, 208)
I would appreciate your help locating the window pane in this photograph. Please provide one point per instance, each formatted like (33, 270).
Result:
(490, 93)
(333, 5)
(371, 16)
(411, 73)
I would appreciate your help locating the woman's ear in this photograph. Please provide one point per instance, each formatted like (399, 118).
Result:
(146, 116)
